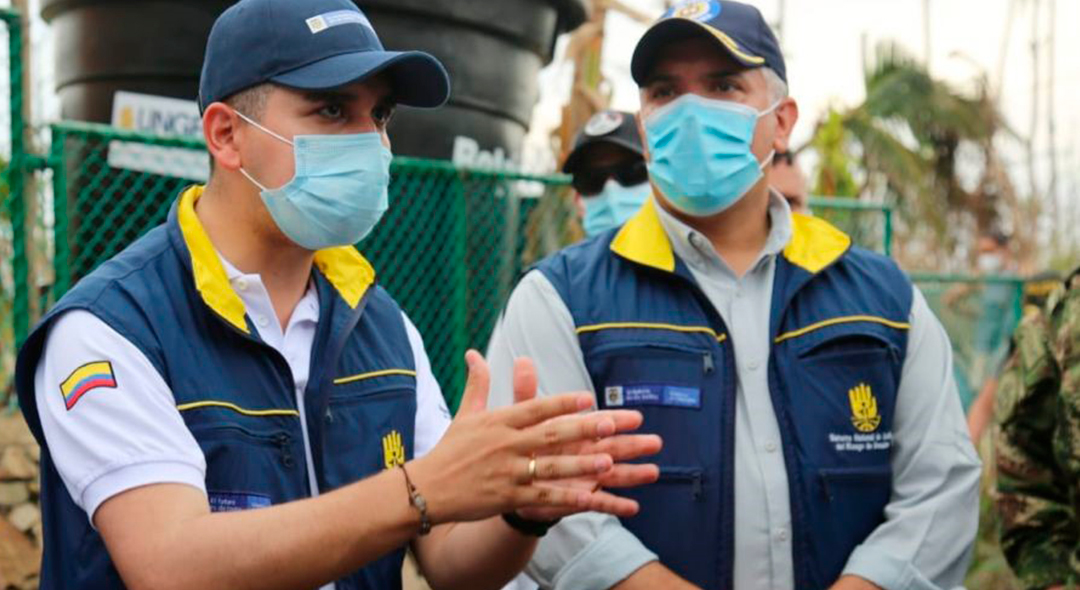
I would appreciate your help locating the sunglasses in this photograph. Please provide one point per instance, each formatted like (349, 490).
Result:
(591, 182)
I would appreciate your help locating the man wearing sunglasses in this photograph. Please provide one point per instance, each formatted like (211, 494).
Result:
(608, 170)
(812, 433)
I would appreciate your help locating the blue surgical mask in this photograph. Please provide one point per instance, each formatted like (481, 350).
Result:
(700, 156)
(339, 192)
(613, 206)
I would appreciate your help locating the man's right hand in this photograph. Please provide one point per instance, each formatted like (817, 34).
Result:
(481, 467)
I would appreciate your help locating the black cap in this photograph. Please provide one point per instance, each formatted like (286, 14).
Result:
(738, 28)
(614, 127)
(310, 45)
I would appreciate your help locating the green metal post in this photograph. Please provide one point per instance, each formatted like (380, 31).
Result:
(888, 231)
(16, 180)
(61, 212)
(1018, 306)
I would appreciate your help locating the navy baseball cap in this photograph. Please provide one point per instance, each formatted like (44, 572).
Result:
(614, 127)
(310, 45)
(736, 27)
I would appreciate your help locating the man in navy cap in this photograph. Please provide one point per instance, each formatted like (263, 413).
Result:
(803, 388)
(233, 403)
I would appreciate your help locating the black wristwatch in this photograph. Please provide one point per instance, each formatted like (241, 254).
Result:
(532, 528)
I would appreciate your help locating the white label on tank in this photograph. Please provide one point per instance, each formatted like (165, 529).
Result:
(158, 116)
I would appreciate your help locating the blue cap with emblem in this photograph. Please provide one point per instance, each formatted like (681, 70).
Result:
(310, 45)
(738, 28)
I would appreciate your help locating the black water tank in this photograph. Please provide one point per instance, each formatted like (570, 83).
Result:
(493, 49)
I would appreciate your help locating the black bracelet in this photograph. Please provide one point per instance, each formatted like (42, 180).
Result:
(525, 526)
(417, 502)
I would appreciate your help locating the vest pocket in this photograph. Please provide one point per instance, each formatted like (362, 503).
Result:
(680, 519)
(367, 430)
(853, 504)
(842, 393)
(668, 384)
(241, 460)
(643, 375)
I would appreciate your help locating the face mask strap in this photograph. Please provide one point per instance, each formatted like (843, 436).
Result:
(266, 131)
(263, 129)
(253, 181)
(768, 159)
(771, 109)
(772, 153)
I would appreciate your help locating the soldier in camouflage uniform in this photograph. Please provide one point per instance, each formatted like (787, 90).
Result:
(1037, 415)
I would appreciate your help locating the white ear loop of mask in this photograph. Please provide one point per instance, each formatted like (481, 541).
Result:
(267, 131)
(271, 134)
(772, 153)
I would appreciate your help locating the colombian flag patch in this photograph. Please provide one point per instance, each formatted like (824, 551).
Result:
(87, 378)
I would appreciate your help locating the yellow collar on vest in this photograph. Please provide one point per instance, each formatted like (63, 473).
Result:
(346, 269)
(814, 244)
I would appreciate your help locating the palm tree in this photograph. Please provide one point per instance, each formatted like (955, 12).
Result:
(904, 144)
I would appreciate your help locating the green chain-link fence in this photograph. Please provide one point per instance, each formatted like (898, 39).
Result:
(868, 224)
(980, 314)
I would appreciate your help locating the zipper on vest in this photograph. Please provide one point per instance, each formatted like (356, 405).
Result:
(283, 442)
(708, 363)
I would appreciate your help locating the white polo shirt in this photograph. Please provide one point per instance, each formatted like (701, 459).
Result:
(116, 439)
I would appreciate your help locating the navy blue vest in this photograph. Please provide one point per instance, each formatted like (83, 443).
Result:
(169, 295)
(652, 341)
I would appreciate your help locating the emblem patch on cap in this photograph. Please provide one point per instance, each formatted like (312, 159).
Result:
(603, 123)
(320, 23)
(695, 10)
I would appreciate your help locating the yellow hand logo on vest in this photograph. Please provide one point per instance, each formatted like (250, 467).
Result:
(864, 411)
(393, 450)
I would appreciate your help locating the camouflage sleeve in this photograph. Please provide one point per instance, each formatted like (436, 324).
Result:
(1039, 528)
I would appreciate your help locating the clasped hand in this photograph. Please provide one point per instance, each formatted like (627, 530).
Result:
(541, 457)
